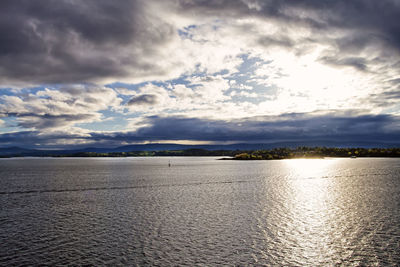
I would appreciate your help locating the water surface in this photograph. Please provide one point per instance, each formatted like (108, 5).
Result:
(199, 211)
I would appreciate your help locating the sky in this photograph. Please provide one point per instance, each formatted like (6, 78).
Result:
(109, 73)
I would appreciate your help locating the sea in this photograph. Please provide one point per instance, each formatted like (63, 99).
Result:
(199, 211)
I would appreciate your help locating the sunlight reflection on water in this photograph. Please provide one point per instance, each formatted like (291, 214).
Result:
(310, 204)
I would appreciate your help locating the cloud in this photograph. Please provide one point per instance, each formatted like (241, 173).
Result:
(210, 88)
(340, 126)
(62, 108)
(124, 91)
(356, 62)
(56, 139)
(74, 41)
(271, 41)
(149, 98)
(369, 16)
(356, 33)
(283, 127)
(182, 91)
(146, 99)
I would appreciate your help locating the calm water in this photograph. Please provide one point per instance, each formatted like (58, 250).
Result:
(201, 211)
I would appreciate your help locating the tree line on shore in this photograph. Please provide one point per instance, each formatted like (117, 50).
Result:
(316, 152)
(276, 153)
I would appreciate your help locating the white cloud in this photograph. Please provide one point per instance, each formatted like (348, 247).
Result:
(124, 91)
(182, 92)
(211, 89)
(59, 109)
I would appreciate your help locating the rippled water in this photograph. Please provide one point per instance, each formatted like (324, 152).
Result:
(200, 211)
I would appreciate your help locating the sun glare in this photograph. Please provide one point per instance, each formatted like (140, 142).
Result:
(306, 82)
(310, 202)
(309, 168)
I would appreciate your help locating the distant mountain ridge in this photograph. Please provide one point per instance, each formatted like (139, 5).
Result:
(15, 150)
(18, 151)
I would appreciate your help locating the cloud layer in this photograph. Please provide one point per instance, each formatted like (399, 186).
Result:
(74, 41)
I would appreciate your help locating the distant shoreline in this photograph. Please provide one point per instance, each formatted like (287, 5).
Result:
(271, 154)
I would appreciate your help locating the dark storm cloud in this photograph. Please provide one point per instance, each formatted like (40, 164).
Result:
(298, 127)
(145, 99)
(60, 41)
(289, 127)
